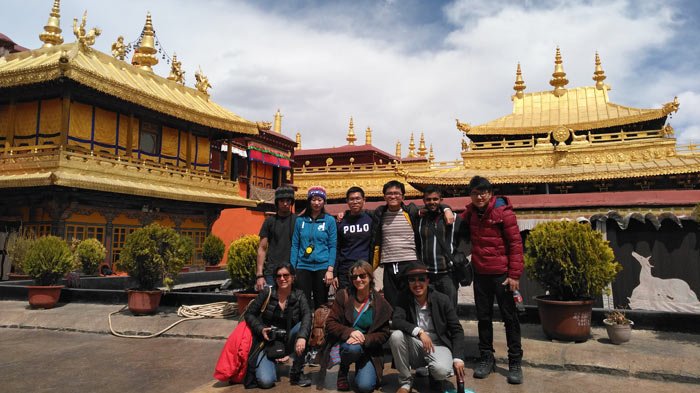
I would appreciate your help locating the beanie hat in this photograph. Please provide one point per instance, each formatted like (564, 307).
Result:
(317, 191)
(284, 193)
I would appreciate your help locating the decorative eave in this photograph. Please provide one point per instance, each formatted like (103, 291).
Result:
(110, 76)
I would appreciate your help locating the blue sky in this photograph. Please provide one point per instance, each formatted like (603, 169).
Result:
(401, 66)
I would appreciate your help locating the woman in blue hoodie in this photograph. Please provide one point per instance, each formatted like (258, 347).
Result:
(313, 248)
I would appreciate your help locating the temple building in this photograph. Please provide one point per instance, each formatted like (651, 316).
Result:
(92, 145)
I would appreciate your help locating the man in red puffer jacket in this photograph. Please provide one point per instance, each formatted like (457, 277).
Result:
(497, 257)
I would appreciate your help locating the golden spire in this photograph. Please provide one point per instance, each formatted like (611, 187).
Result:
(351, 133)
(368, 136)
(398, 149)
(277, 127)
(144, 56)
(431, 156)
(298, 141)
(558, 80)
(598, 74)
(519, 83)
(411, 147)
(52, 31)
(422, 151)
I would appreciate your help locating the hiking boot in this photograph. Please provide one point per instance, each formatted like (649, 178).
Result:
(515, 372)
(422, 372)
(487, 364)
(435, 385)
(299, 379)
(342, 384)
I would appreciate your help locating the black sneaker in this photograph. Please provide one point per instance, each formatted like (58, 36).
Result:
(487, 364)
(300, 379)
(435, 385)
(515, 372)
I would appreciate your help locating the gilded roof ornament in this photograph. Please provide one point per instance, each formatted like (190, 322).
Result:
(202, 83)
(599, 74)
(86, 38)
(351, 138)
(298, 141)
(144, 56)
(464, 127)
(176, 72)
(368, 136)
(558, 80)
(278, 122)
(422, 151)
(431, 156)
(671, 106)
(519, 83)
(397, 153)
(52, 31)
(264, 125)
(411, 147)
(667, 131)
(119, 49)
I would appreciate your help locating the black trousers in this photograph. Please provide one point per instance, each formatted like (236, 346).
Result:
(394, 282)
(445, 283)
(486, 287)
(312, 283)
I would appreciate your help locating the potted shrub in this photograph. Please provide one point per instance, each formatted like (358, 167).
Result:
(48, 260)
(241, 264)
(151, 255)
(89, 254)
(18, 243)
(619, 327)
(574, 265)
(212, 252)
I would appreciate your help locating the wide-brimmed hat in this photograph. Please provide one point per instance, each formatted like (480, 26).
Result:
(415, 269)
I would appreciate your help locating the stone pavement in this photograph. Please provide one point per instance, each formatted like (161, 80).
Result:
(650, 355)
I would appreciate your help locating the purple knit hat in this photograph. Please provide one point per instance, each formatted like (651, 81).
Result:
(316, 191)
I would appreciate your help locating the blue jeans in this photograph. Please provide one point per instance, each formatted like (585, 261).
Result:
(365, 375)
(266, 370)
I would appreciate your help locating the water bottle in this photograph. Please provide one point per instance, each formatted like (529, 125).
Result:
(518, 299)
(460, 386)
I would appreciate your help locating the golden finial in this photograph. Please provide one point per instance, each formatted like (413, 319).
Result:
(144, 56)
(598, 74)
(431, 156)
(176, 72)
(422, 151)
(119, 49)
(368, 136)
(558, 80)
(278, 122)
(519, 83)
(84, 37)
(52, 31)
(398, 149)
(202, 82)
(351, 133)
(298, 141)
(411, 147)
(464, 127)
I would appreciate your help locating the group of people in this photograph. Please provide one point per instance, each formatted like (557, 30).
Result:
(301, 257)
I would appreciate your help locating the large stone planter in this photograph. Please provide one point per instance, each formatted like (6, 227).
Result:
(565, 320)
(618, 333)
(43, 296)
(143, 302)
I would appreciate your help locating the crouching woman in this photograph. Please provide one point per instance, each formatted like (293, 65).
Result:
(280, 320)
(359, 323)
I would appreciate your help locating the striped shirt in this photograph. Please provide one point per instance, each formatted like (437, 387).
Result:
(398, 240)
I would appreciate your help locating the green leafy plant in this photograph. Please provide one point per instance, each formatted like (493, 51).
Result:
(242, 260)
(154, 253)
(570, 260)
(213, 249)
(48, 260)
(18, 244)
(617, 317)
(89, 253)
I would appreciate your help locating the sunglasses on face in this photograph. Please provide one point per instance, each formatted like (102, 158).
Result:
(416, 279)
(284, 276)
(361, 276)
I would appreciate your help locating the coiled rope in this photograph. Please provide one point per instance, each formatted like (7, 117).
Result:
(189, 313)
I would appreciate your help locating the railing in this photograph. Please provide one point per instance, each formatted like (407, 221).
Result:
(690, 148)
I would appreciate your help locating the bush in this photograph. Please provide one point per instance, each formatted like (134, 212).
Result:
(48, 260)
(89, 254)
(570, 260)
(213, 250)
(242, 261)
(18, 244)
(154, 253)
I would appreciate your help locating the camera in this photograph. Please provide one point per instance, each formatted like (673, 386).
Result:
(277, 334)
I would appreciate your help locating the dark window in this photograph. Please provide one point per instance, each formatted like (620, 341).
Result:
(149, 138)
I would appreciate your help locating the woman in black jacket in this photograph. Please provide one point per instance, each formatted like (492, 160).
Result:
(284, 325)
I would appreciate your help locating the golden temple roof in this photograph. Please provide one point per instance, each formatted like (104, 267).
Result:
(117, 78)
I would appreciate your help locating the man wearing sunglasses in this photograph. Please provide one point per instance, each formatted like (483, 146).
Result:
(428, 332)
(497, 257)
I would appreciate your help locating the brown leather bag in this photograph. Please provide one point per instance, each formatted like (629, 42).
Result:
(318, 329)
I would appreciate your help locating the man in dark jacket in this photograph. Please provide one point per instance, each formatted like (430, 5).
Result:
(428, 332)
(354, 236)
(497, 257)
